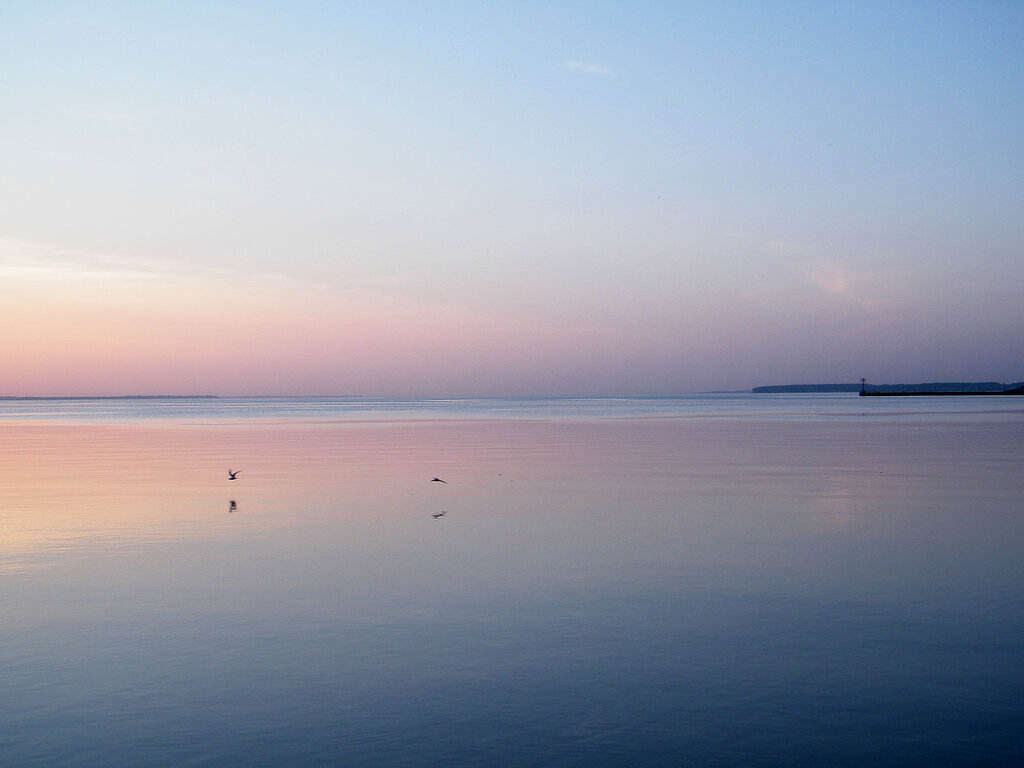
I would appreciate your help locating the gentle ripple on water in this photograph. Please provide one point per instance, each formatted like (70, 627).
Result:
(737, 405)
(803, 586)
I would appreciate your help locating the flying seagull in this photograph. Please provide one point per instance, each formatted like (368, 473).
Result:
(437, 480)
(440, 514)
(232, 474)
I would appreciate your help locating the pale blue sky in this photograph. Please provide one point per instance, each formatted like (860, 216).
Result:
(574, 197)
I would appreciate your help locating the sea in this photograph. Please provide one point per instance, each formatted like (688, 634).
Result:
(705, 580)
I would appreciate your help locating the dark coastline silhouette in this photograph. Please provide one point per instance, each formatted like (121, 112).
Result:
(941, 389)
(927, 388)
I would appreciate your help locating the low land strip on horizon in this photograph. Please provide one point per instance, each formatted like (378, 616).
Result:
(928, 388)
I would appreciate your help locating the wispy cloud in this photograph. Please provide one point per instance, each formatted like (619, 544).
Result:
(26, 263)
(873, 295)
(588, 67)
(836, 276)
(107, 116)
(44, 259)
(831, 279)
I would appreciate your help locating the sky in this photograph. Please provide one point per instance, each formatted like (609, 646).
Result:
(515, 198)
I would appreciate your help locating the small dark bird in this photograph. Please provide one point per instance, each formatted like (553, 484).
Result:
(232, 506)
(440, 514)
(437, 480)
(232, 475)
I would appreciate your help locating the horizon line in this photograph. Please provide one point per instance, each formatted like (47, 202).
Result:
(417, 397)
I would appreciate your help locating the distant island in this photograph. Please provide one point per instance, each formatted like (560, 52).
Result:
(927, 388)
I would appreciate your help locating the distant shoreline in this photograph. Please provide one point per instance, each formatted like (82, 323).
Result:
(942, 388)
(110, 397)
(1011, 392)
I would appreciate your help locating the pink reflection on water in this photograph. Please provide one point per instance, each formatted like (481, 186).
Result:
(70, 489)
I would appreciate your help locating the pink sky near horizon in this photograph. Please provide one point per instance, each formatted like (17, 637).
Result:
(103, 329)
(94, 333)
(447, 200)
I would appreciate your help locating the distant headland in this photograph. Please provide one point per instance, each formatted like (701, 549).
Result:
(937, 388)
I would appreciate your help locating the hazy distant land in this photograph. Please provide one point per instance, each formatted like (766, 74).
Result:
(111, 397)
(936, 387)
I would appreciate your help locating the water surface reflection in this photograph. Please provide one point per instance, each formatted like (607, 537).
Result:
(659, 592)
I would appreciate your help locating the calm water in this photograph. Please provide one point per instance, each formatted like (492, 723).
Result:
(707, 580)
